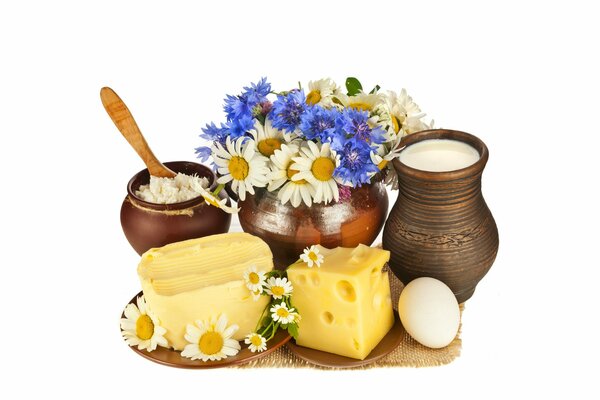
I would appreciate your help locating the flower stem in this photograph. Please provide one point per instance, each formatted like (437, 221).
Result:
(218, 189)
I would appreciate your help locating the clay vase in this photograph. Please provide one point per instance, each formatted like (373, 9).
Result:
(440, 226)
(289, 230)
(147, 225)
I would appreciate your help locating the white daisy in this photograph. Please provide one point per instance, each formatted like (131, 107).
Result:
(256, 294)
(267, 138)
(241, 165)
(316, 164)
(256, 342)
(312, 257)
(281, 174)
(280, 313)
(401, 114)
(211, 340)
(361, 101)
(214, 201)
(321, 92)
(141, 328)
(254, 279)
(279, 287)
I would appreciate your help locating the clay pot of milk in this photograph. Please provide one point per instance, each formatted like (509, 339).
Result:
(440, 225)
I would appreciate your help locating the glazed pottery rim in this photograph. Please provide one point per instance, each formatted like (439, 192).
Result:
(176, 166)
(461, 136)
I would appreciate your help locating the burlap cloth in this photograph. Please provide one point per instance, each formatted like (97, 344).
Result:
(409, 352)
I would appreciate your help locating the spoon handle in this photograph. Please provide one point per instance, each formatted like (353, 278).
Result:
(121, 116)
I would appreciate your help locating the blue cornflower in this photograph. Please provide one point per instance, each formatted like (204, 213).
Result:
(239, 126)
(241, 106)
(257, 92)
(236, 107)
(203, 152)
(355, 123)
(213, 133)
(319, 123)
(287, 110)
(355, 166)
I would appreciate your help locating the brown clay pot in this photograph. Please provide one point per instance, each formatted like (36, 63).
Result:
(147, 225)
(440, 225)
(288, 230)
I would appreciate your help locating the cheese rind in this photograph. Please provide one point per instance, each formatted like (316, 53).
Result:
(345, 304)
(202, 278)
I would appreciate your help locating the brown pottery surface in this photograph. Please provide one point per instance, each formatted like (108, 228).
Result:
(288, 230)
(440, 225)
(147, 225)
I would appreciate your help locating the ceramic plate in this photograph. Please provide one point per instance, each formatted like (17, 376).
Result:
(173, 358)
(324, 359)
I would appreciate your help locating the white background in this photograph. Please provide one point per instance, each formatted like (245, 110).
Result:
(522, 77)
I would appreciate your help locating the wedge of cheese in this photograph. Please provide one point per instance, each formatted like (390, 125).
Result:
(202, 278)
(345, 304)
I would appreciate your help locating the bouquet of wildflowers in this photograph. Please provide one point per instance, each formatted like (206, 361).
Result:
(309, 146)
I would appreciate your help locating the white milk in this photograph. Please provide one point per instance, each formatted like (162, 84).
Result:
(439, 155)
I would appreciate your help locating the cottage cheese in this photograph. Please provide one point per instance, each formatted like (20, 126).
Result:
(172, 190)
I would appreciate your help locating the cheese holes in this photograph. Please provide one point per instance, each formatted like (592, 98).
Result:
(301, 280)
(346, 291)
(315, 279)
(327, 317)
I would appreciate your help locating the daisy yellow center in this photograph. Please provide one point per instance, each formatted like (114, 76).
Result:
(360, 106)
(382, 164)
(313, 97)
(322, 168)
(283, 313)
(238, 167)
(256, 340)
(313, 256)
(292, 172)
(210, 343)
(396, 123)
(253, 278)
(144, 327)
(268, 146)
(277, 290)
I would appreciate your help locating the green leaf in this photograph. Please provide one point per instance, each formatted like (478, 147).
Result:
(375, 89)
(293, 330)
(353, 86)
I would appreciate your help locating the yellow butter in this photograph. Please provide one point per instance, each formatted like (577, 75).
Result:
(345, 304)
(202, 278)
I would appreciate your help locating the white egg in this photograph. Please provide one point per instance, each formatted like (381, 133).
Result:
(429, 312)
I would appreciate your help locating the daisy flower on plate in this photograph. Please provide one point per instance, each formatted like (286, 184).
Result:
(279, 287)
(240, 164)
(211, 340)
(321, 92)
(254, 279)
(281, 173)
(267, 138)
(312, 257)
(316, 164)
(256, 294)
(282, 314)
(141, 328)
(256, 342)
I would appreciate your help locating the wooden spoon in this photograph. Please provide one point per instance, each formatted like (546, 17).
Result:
(121, 116)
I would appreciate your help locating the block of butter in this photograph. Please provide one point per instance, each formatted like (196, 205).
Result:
(202, 278)
(345, 304)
